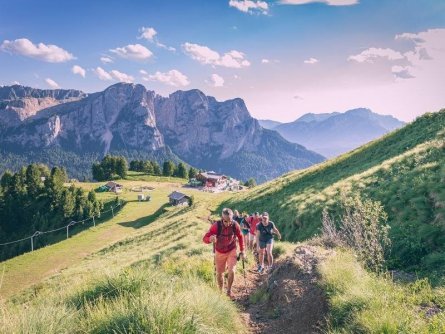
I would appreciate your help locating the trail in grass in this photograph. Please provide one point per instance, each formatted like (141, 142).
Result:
(286, 300)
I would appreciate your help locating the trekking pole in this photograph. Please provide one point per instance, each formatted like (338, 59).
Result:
(214, 265)
(244, 274)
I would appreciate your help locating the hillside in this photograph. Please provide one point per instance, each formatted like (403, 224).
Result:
(331, 134)
(146, 270)
(73, 130)
(404, 170)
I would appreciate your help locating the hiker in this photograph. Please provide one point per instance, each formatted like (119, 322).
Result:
(245, 227)
(223, 234)
(264, 238)
(237, 217)
(253, 221)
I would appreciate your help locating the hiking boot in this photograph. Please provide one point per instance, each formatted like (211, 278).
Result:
(260, 270)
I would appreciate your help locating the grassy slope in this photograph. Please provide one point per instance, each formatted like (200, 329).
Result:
(361, 302)
(146, 270)
(405, 170)
(29, 268)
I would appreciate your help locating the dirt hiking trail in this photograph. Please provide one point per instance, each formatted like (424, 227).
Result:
(286, 300)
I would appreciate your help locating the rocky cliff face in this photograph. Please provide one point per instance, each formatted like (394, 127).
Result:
(121, 117)
(17, 103)
(130, 120)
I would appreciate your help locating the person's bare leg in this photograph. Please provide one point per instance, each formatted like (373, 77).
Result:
(231, 276)
(261, 257)
(220, 280)
(269, 254)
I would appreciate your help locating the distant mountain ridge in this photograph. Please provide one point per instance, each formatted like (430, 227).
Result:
(268, 123)
(332, 134)
(73, 129)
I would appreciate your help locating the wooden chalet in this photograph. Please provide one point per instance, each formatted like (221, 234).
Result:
(211, 179)
(114, 187)
(177, 198)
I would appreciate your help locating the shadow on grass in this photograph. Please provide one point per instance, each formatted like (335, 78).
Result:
(144, 221)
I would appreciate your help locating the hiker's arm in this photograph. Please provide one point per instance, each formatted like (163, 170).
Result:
(275, 230)
(240, 238)
(211, 232)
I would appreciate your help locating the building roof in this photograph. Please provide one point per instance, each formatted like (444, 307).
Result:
(112, 184)
(212, 175)
(177, 195)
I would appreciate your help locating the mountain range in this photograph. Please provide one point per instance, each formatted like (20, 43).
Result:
(332, 134)
(73, 129)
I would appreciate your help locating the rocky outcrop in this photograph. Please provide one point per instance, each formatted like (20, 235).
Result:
(17, 103)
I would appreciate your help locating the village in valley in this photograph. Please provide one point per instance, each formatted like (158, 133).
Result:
(204, 181)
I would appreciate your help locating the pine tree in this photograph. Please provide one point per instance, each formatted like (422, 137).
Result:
(192, 173)
(156, 168)
(168, 168)
(181, 171)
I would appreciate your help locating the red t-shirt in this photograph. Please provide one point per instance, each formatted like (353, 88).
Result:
(226, 241)
(253, 223)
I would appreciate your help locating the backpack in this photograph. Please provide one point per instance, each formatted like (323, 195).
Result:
(264, 230)
(220, 223)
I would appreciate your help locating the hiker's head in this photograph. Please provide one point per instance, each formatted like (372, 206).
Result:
(265, 217)
(257, 214)
(227, 215)
(236, 213)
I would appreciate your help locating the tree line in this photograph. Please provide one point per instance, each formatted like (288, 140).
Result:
(116, 167)
(35, 199)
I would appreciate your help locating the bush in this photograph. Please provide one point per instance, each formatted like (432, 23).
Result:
(362, 228)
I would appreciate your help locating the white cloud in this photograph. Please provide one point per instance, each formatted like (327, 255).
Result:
(150, 35)
(102, 74)
(327, 2)
(76, 69)
(402, 72)
(106, 60)
(250, 6)
(265, 61)
(311, 61)
(16, 82)
(372, 54)
(122, 77)
(216, 80)
(143, 72)
(205, 55)
(52, 83)
(147, 33)
(49, 53)
(163, 46)
(133, 52)
(172, 78)
(114, 74)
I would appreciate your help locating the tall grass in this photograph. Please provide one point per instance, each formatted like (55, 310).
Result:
(361, 302)
(134, 300)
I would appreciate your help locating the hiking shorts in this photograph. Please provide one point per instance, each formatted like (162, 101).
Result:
(263, 244)
(223, 260)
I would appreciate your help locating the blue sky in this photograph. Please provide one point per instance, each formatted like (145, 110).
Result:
(284, 58)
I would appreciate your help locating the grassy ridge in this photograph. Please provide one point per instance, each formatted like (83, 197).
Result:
(405, 170)
(361, 302)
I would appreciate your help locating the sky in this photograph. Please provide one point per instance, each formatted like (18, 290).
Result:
(285, 58)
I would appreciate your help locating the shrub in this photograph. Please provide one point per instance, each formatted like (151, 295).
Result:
(362, 228)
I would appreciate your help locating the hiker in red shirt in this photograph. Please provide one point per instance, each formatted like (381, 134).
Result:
(223, 234)
(253, 222)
